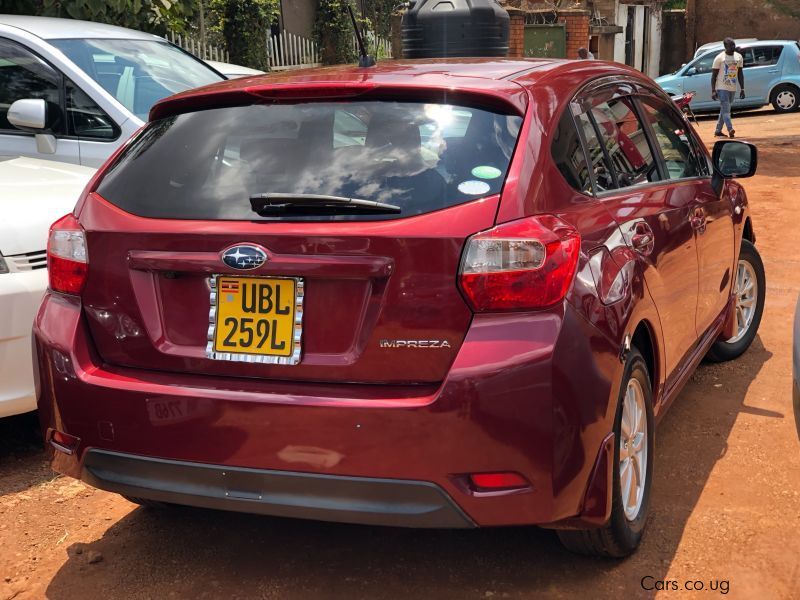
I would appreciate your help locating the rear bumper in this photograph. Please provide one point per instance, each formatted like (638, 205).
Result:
(527, 393)
(366, 500)
(20, 294)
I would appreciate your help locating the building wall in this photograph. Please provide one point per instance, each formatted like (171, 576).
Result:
(516, 33)
(577, 25)
(713, 20)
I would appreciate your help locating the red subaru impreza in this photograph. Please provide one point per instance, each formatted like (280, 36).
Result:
(428, 294)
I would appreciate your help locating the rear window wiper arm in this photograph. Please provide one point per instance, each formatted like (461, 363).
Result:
(317, 204)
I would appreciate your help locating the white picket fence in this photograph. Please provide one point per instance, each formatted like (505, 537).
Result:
(200, 50)
(291, 51)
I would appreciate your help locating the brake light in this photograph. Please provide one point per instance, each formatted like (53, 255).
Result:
(67, 260)
(521, 265)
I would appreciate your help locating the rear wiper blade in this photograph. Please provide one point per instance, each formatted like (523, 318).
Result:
(316, 204)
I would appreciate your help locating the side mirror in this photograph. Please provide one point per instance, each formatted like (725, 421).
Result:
(691, 71)
(28, 115)
(734, 159)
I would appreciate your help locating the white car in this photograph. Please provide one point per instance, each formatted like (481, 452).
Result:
(720, 46)
(232, 71)
(33, 194)
(73, 91)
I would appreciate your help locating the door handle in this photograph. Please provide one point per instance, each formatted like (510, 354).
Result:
(698, 220)
(642, 239)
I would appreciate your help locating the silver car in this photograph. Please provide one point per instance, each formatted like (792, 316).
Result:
(74, 91)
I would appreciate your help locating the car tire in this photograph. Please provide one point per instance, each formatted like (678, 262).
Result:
(785, 98)
(750, 262)
(621, 535)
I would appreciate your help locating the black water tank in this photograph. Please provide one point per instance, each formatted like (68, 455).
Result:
(442, 28)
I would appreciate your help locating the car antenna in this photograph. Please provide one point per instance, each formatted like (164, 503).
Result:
(364, 59)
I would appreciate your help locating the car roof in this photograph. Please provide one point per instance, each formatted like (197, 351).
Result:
(752, 44)
(51, 28)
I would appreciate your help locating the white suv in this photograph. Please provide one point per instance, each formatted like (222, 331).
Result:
(73, 91)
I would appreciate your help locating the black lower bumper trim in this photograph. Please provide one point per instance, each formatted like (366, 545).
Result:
(365, 500)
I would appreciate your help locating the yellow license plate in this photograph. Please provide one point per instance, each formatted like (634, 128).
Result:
(257, 319)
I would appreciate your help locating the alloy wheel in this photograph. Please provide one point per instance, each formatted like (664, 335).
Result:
(746, 291)
(633, 449)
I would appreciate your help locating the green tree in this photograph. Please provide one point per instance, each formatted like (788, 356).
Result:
(145, 15)
(333, 28)
(244, 25)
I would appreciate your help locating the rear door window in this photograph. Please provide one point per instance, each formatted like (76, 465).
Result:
(570, 158)
(418, 156)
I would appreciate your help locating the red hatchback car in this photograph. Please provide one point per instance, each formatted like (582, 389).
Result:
(431, 294)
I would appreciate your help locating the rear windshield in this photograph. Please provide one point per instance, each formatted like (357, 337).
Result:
(208, 164)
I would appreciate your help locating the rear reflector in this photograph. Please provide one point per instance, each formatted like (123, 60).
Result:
(492, 482)
(522, 265)
(67, 260)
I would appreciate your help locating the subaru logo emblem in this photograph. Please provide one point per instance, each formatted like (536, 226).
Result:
(244, 257)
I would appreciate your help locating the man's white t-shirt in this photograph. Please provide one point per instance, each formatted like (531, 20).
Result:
(728, 65)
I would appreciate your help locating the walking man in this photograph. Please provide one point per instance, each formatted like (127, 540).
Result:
(725, 72)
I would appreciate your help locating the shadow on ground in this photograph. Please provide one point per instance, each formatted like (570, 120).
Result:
(196, 553)
(22, 458)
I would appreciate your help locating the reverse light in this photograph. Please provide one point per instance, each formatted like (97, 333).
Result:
(522, 265)
(67, 260)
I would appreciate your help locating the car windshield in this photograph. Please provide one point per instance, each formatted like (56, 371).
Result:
(417, 156)
(138, 73)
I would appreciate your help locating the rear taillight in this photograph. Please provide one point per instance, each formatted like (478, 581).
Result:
(521, 265)
(67, 260)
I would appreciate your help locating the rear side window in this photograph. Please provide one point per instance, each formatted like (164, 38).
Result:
(571, 160)
(208, 164)
(625, 141)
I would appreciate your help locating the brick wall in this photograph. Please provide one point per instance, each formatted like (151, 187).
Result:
(516, 33)
(577, 24)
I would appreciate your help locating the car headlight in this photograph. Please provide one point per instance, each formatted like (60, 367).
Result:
(3, 265)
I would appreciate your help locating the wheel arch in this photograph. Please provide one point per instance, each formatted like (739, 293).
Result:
(644, 340)
(779, 83)
(748, 233)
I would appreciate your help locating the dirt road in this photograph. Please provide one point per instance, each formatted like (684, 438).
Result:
(726, 496)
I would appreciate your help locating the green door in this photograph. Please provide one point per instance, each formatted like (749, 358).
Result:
(546, 41)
